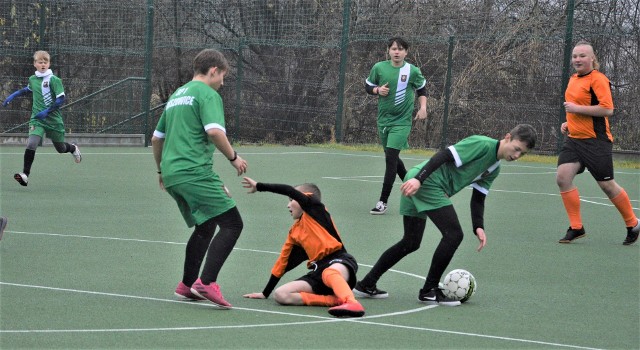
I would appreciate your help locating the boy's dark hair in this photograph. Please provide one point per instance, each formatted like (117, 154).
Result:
(207, 59)
(398, 40)
(310, 188)
(525, 133)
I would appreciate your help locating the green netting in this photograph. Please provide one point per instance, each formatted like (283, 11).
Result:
(298, 67)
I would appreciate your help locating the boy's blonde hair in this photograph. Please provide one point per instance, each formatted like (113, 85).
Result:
(41, 55)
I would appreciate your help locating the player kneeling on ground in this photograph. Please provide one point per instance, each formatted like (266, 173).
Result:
(312, 237)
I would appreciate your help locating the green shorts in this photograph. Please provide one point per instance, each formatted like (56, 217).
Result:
(53, 134)
(429, 197)
(201, 199)
(395, 137)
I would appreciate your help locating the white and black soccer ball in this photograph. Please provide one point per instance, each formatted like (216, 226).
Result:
(459, 284)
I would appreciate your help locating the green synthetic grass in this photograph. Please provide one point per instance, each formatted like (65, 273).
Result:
(93, 252)
(532, 158)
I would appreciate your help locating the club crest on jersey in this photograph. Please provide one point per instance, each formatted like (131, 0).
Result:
(403, 78)
(45, 84)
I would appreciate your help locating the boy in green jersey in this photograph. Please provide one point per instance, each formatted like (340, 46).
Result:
(394, 82)
(191, 127)
(426, 191)
(46, 119)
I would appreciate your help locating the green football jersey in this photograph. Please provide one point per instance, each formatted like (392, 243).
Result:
(476, 164)
(187, 153)
(45, 90)
(396, 109)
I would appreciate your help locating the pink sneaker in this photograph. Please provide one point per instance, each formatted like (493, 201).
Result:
(183, 292)
(210, 292)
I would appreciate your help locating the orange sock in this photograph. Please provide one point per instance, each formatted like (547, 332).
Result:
(334, 280)
(319, 300)
(571, 200)
(622, 202)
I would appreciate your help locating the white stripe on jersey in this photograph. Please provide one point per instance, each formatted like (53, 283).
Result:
(456, 156)
(215, 126)
(402, 85)
(488, 171)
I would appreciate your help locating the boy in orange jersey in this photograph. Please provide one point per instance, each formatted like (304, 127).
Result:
(313, 237)
(589, 144)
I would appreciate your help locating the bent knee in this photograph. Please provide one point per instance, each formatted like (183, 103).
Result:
(282, 297)
(563, 181)
(409, 247)
(459, 237)
(61, 147)
(454, 238)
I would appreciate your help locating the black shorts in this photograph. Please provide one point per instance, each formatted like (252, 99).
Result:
(314, 277)
(592, 154)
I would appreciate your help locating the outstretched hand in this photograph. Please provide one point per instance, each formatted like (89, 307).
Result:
(251, 184)
(255, 296)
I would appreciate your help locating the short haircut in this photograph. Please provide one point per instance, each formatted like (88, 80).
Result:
(41, 55)
(398, 40)
(207, 59)
(596, 63)
(525, 133)
(310, 188)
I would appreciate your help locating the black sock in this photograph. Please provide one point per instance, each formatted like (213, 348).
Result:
(29, 156)
(446, 220)
(410, 242)
(402, 171)
(390, 172)
(196, 250)
(222, 244)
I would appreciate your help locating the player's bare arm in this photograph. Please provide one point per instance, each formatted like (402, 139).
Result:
(219, 139)
(157, 144)
(593, 111)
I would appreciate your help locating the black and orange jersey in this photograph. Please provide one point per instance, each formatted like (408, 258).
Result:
(591, 89)
(314, 232)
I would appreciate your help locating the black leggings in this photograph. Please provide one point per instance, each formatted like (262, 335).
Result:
(393, 166)
(217, 249)
(446, 220)
(61, 147)
(32, 145)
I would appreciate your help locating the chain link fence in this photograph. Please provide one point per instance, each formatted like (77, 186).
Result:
(298, 67)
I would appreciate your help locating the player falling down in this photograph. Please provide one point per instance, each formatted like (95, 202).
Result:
(313, 237)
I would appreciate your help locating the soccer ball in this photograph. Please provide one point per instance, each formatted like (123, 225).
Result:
(459, 284)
